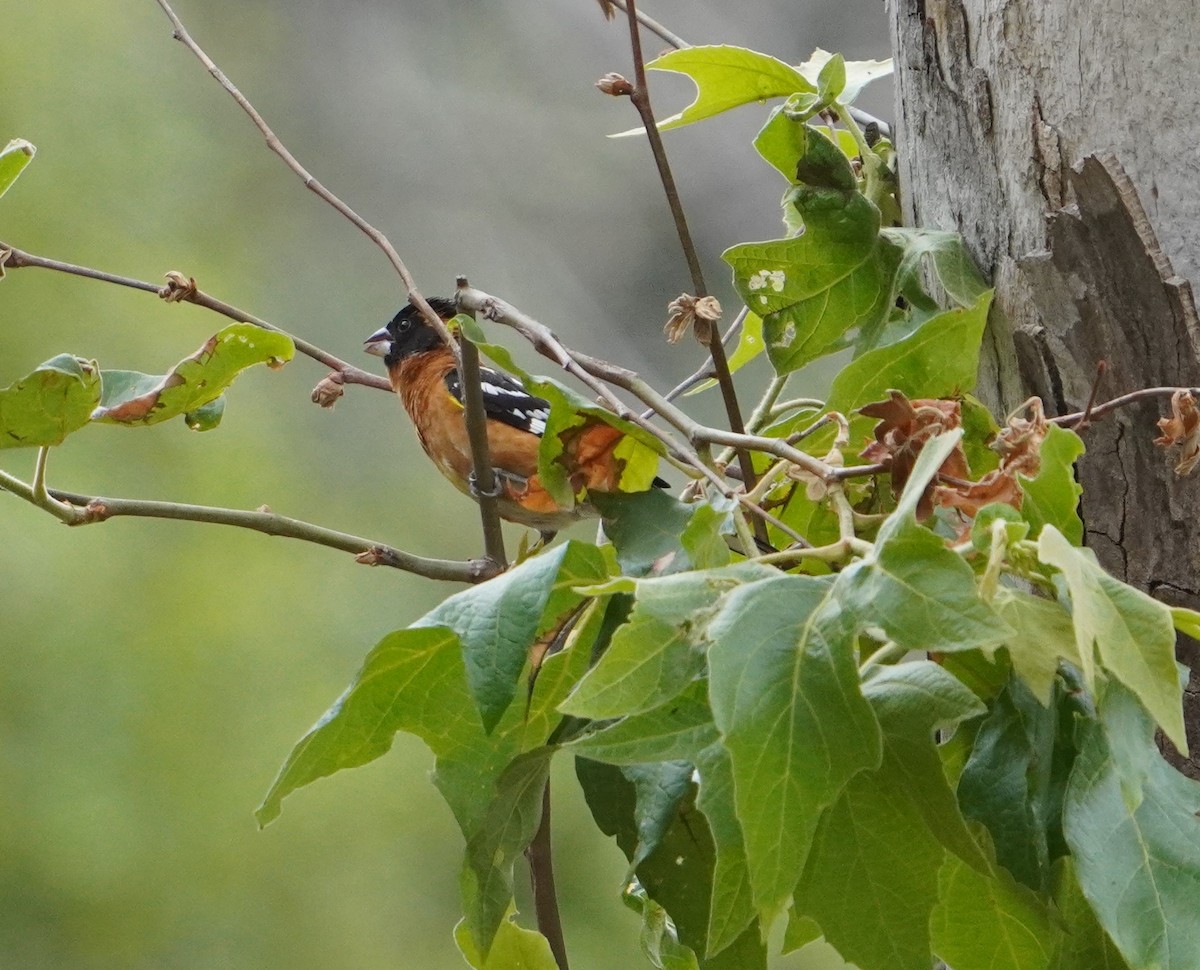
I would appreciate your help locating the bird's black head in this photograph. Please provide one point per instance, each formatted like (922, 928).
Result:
(407, 333)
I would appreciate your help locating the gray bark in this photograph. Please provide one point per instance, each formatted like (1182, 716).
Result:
(999, 104)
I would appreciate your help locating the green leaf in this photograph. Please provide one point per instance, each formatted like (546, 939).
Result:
(1130, 820)
(940, 359)
(407, 683)
(659, 651)
(677, 875)
(651, 530)
(703, 538)
(858, 73)
(514, 948)
(678, 730)
(510, 821)
(499, 620)
(990, 922)
(726, 77)
(782, 670)
(13, 158)
(1042, 636)
(660, 942)
(733, 913)
(922, 594)
(1084, 945)
(840, 225)
(45, 406)
(1132, 632)
(872, 878)
(1052, 496)
(1186, 621)
(979, 430)
(660, 789)
(852, 309)
(945, 254)
(831, 80)
(1013, 783)
(132, 398)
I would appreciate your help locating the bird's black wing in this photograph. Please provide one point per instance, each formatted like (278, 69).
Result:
(505, 399)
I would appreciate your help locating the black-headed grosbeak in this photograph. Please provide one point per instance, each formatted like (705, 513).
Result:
(423, 372)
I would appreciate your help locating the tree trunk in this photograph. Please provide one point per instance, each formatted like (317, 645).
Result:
(1018, 121)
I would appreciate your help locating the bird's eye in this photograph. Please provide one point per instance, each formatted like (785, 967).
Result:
(404, 325)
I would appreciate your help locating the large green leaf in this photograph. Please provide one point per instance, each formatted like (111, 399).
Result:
(988, 921)
(1132, 633)
(939, 359)
(45, 406)
(133, 398)
(1014, 780)
(511, 819)
(407, 683)
(726, 77)
(923, 595)
(1042, 635)
(872, 878)
(1131, 822)
(782, 670)
(1085, 946)
(13, 158)
(676, 875)
(498, 621)
(679, 729)
(652, 530)
(659, 651)
(1052, 496)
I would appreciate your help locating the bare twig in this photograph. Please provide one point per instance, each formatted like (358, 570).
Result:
(274, 144)
(593, 371)
(76, 509)
(588, 370)
(707, 332)
(484, 483)
(18, 258)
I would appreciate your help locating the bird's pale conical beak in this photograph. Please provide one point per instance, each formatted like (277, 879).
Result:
(379, 343)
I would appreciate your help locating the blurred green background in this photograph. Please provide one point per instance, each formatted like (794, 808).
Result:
(154, 675)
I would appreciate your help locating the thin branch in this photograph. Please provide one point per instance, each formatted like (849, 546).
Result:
(88, 509)
(181, 289)
(274, 144)
(592, 371)
(484, 484)
(779, 524)
(588, 370)
(653, 26)
(1133, 397)
(541, 876)
(708, 333)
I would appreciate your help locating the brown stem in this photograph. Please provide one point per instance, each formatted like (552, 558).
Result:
(19, 258)
(485, 485)
(274, 144)
(76, 509)
(708, 333)
(541, 876)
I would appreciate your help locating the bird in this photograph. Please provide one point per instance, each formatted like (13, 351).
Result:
(424, 374)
